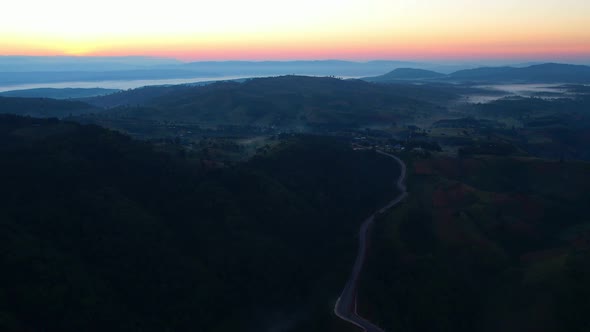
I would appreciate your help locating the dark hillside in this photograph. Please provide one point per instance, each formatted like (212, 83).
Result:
(99, 232)
(43, 107)
(484, 244)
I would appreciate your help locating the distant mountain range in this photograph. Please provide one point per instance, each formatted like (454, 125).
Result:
(548, 72)
(15, 70)
(316, 68)
(76, 63)
(287, 101)
(541, 73)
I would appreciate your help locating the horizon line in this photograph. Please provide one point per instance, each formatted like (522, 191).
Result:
(564, 59)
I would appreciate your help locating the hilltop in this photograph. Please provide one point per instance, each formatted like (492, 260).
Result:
(405, 74)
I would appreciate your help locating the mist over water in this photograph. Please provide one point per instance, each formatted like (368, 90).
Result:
(499, 91)
(526, 89)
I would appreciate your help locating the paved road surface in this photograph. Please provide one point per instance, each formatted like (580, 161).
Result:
(345, 307)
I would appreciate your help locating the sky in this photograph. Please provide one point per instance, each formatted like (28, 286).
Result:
(299, 29)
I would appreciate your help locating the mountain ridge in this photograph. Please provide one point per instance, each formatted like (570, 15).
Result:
(537, 73)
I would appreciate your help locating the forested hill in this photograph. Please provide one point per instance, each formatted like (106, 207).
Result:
(286, 101)
(43, 107)
(102, 233)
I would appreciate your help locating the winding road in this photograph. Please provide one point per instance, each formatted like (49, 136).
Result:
(346, 306)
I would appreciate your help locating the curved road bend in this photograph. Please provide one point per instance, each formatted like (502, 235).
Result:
(345, 307)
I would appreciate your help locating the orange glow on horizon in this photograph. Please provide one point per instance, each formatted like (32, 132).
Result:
(400, 48)
(307, 29)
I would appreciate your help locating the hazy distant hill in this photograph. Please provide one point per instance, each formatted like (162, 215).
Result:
(23, 70)
(43, 107)
(406, 74)
(541, 73)
(546, 73)
(58, 93)
(284, 101)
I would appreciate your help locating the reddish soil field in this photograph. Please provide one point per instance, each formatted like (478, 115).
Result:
(423, 167)
(455, 196)
(448, 167)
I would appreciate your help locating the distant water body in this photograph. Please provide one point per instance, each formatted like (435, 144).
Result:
(127, 84)
(118, 84)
